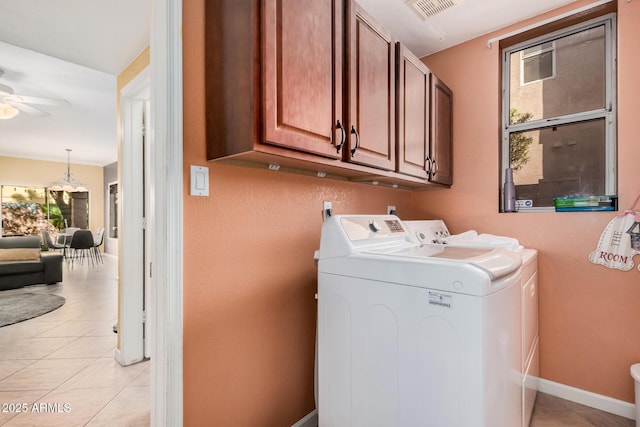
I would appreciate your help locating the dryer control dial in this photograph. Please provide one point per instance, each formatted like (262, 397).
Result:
(374, 226)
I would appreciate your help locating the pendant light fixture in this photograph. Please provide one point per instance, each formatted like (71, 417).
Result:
(68, 183)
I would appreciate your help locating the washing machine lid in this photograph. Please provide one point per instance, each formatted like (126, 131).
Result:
(496, 262)
(435, 231)
(385, 240)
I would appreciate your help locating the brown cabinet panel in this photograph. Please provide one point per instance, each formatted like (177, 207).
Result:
(371, 96)
(413, 112)
(441, 132)
(232, 77)
(302, 74)
(282, 74)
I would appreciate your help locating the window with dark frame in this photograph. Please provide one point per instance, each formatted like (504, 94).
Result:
(559, 113)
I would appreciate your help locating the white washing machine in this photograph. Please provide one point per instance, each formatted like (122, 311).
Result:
(436, 232)
(412, 334)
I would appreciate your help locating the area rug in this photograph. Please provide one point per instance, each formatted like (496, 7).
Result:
(19, 307)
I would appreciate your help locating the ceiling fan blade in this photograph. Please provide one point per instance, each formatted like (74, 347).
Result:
(25, 108)
(6, 89)
(36, 100)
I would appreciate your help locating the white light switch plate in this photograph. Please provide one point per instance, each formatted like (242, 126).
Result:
(199, 181)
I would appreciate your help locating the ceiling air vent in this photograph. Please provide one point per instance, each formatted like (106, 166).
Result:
(427, 8)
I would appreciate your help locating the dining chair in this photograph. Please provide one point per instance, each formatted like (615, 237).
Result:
(98, 240)
(81, 246)
(49, 244)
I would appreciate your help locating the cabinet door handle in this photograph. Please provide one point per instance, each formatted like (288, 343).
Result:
(428, 162)
(435, 167)
(343, 136)
(355, 132)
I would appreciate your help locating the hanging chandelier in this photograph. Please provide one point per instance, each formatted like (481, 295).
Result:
(68, 183)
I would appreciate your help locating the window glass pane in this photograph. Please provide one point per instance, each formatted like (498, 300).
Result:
(71, 208)
(567, 160)
(22, 212)
(29, 210)
(563, 77)
(537, 67)
(113, 211)
(26, 210)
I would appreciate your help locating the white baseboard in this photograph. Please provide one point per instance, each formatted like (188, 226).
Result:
(587, 398)
(118, 357)
(309, 420)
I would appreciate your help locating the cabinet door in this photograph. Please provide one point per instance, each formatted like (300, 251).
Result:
(440, 157)
(302, 74)
(371, 77)
(413, 114)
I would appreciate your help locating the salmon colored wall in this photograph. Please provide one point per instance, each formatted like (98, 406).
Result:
(589, 315)
(249, 274)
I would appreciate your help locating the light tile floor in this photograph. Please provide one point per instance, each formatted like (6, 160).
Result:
(59, 369)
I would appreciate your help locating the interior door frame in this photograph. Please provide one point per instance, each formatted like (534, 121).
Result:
(148, 238)
(165, 187)
(131, 242)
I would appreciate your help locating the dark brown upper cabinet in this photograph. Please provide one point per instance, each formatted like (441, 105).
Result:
(440, 161)
(413, 114)
(307, 86)
(273, 76)
(371, 92)
(424, 121)
(302, 74)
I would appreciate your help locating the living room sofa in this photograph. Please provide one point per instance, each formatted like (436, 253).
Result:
(23, 263)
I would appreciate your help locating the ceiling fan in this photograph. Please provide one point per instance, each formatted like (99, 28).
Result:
(12, 104)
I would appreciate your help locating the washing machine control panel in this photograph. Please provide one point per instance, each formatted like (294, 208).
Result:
(429, 231)
(395, 226)
(372, 227)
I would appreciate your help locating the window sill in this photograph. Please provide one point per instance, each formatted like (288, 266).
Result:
(538, 209)
(552, 209)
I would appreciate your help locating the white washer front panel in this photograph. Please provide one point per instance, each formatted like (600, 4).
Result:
(402, 356)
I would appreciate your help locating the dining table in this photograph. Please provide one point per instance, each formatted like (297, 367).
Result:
(64, 239)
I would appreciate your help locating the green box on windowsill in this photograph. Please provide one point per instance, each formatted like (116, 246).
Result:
(585, 203)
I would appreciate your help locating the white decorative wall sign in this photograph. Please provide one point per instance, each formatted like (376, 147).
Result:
(619, 241)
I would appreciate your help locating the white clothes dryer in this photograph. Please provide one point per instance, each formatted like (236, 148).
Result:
(412, 334)
(435, 232)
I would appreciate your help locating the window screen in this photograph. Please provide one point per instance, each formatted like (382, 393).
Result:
(559, 113)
